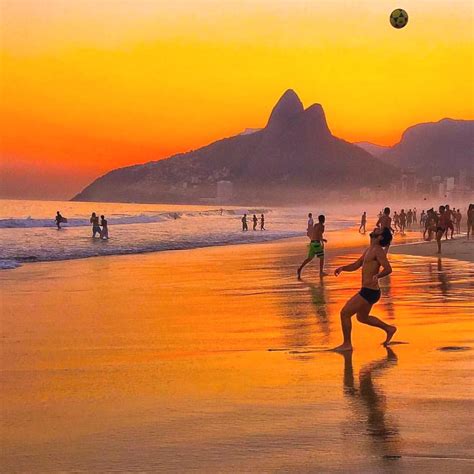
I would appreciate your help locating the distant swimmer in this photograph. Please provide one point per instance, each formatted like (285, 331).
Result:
(363, 222)
(58, 219)
(94, 220)
(385, 222)
(441, 226)
(470, 220)
(104, 233)
(316, 246)
(244, 223)
(255, 222)
(262, 222)
(361, 303)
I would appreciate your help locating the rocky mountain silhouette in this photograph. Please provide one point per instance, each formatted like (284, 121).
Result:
(441, 148)
(294, 156)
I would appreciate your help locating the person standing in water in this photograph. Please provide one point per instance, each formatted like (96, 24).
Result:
(244, 223)
(316, 247)
(363, 222)
(58, 219)
(94, 220)
(361, 303)
(104, 233)
(255, 222)
(262, 222)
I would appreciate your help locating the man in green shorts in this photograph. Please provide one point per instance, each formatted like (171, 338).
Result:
(316, 246)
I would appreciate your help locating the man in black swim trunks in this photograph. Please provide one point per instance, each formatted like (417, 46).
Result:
(361, 303)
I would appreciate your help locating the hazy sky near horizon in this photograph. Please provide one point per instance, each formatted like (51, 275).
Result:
(87, 86)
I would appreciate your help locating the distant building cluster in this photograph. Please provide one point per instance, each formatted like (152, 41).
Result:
(412, 185)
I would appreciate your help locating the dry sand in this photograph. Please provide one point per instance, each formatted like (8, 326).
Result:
(460, 248)
(211, 360)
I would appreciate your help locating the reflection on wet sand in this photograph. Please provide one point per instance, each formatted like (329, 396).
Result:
(386, 290)
(319, 299)
(368, 402)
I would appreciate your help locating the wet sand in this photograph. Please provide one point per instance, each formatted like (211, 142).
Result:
(460, 248)
(212, 360)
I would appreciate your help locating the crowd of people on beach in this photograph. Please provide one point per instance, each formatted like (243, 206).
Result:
(374, 260)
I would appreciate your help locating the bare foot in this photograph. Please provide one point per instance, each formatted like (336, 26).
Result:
(342, 348)
(390, 332)
(298, 272)
(323, 274)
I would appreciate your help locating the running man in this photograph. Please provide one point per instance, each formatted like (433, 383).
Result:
(262, 222)
(244, 223)
(316, 246)
(441, 226)
(363, 222)
(361, 303)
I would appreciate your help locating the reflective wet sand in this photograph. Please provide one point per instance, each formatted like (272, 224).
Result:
(213, 360)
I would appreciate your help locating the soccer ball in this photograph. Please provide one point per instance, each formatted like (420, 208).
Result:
(398, 18)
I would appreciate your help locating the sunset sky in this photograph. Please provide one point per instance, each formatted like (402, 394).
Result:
(87, 86)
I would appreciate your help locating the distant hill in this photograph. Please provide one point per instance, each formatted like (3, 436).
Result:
(441, 148)
(294, 157)
(372, 148)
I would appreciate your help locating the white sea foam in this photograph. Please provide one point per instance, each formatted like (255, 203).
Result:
(137, 229)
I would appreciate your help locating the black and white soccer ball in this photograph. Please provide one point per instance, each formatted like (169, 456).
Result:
(399, 18)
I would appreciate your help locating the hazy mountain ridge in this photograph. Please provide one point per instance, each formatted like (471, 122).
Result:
(295, 153)
(442, 148)
(373, 148)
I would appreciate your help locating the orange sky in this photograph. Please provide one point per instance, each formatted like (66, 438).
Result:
(87, 86)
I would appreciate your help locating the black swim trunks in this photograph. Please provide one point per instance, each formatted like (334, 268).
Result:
(369, 295)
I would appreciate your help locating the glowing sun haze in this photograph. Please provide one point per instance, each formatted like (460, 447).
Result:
(87, 86)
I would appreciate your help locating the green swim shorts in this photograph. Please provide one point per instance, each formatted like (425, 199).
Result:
(316, 249)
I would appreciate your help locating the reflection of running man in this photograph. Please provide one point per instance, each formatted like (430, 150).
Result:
(316, 246)
(361, 303)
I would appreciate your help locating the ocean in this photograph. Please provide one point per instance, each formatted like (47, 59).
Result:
(28, 232)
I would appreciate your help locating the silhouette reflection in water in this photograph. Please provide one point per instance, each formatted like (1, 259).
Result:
(368, 403)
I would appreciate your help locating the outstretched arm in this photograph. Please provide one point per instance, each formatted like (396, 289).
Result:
(352, 267)
(385, 264)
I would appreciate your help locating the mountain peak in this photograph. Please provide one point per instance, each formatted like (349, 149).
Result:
(285, 109)
(317, 118)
